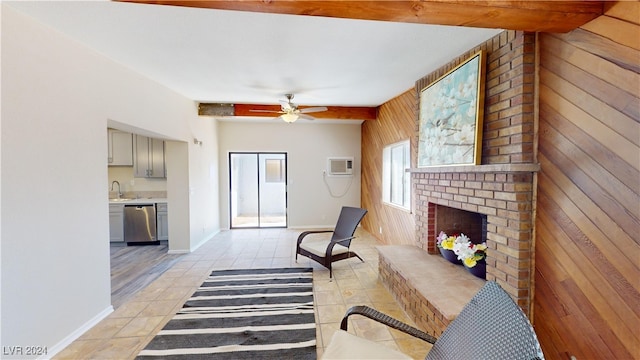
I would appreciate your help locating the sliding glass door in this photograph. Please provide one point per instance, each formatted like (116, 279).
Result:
(258, 190)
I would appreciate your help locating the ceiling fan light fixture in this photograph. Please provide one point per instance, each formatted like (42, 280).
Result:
(289, 117)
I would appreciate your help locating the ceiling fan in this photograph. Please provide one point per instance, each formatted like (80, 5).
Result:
(290, 111)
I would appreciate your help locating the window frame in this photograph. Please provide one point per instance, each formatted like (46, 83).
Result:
(391, 174)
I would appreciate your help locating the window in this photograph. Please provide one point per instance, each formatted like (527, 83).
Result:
(396, 182)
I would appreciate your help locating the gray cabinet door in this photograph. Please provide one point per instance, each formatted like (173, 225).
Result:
(156, 159)
(116, 223)
(148, 159)
(120, 148)
(163, 221)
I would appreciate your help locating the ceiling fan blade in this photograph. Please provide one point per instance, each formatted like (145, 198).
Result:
(305, 117)
(313, 109)
(287, 106)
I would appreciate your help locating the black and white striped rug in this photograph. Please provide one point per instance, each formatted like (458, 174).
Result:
(243, 314)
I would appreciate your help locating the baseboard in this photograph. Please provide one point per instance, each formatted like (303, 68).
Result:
(307, 227)
(177, 252)
(77, 333)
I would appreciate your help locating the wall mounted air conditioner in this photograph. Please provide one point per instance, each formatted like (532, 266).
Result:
(340, 166)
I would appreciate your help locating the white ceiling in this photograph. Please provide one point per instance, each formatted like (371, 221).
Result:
(255, 58)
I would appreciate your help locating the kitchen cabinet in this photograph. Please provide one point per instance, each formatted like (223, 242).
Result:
(148, 157)
(162, 221)
(116, 222)
(120, 148)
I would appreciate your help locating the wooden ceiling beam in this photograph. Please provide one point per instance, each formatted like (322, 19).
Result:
(333, 112)
(532, 15)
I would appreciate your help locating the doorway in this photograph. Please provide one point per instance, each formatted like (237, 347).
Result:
(257, 190)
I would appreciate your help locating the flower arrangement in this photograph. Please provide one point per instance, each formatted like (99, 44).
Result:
(462, 246)
(448, 242)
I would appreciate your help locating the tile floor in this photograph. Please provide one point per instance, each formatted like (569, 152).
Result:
(130, 327)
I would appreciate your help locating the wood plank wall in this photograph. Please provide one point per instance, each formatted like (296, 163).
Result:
(587, 281)
(587, 284)
(395, 123)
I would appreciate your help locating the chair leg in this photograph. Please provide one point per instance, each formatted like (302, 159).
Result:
(351, 253)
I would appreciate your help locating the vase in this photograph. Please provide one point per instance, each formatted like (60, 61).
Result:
(450, 255)
(480, 270)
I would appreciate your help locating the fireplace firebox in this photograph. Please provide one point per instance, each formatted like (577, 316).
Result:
(455, 221)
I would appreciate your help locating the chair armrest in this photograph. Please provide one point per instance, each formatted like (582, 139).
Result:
(305, 233)
(386, 320)
(333, 243)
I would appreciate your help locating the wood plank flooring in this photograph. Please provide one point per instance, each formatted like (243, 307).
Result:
(135, 267)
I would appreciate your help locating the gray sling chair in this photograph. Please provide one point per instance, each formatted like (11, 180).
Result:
(490, 326)
(325, 250)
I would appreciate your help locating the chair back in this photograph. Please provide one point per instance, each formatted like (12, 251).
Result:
(347, 223)
(490, 326)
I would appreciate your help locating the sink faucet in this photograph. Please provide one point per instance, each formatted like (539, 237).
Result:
(119, 192)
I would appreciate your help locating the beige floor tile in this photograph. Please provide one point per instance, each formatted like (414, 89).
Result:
(79, 349)
(343, 271)
(327, 298)
(127, 330)
(262, 263)
(176, 293)
(184, 264)
(174, 272)
(117, 348)
(106, 329)
(349, 283)
(196, 273)
(202, 264)
(284, 262)
(149, 294)
(129, 309)
(355, 297)
(140, 326)
(378, 295)
(161, 308)
(324, 284)
(330, 313)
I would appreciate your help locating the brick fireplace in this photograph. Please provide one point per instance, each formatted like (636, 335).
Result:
(504, 193)
(503, 187)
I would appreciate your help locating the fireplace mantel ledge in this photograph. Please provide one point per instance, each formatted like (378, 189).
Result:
(491, 168)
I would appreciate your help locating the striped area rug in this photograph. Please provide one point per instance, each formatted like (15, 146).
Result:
(243, 314)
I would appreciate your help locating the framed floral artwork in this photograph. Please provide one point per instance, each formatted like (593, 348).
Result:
(451, 110)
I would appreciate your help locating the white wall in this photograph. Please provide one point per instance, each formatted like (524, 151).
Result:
(308, 145)
(203, 183)
(57, 99)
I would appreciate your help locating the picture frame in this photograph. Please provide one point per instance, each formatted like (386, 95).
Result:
(451, 114)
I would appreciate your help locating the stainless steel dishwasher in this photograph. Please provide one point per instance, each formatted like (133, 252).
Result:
(140, 223)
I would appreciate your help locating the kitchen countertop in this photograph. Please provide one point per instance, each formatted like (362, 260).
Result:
(140, 201)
